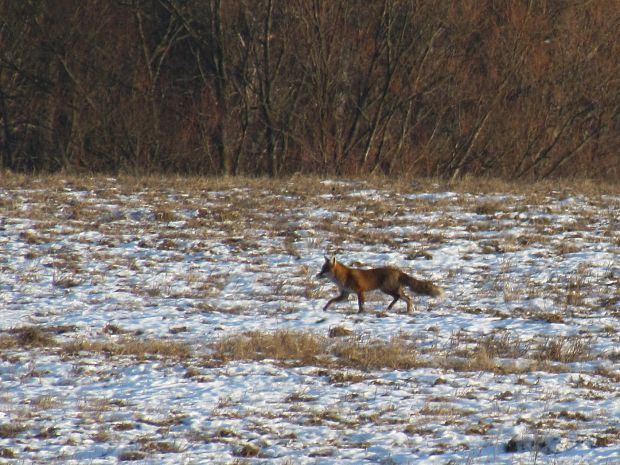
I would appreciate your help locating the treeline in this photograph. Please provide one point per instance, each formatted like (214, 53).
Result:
(510, 88)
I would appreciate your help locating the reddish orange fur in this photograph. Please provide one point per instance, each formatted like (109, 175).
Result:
(388, 279)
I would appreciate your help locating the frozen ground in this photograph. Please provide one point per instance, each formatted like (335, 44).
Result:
(173, 322)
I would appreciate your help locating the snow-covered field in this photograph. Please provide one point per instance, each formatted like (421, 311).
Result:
(180, 321)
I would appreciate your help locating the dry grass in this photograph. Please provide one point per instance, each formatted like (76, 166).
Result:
(31, 336)
(564, 349)
(340, 331)
(45, 403)
(11, 430)
(491, 207)
(67, 280)
(395, 354)
(495, 353)
(498, 353)
(158, 447)
(304, 187)
(503, 345)
(247, 450)
(338, 349)
(304, 348)
(34, 238)
(131, 455)
(140, 349)
(283, 345)
(7, 453)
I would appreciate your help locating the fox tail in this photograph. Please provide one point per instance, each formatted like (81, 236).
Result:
(421, 287)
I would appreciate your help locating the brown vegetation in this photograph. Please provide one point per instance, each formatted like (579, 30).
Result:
(303, 348)
(515, 89)
(130, 347)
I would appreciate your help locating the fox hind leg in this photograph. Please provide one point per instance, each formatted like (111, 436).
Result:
(408, 300)
(401, 295)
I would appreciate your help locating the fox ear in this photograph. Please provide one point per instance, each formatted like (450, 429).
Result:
(333, 260)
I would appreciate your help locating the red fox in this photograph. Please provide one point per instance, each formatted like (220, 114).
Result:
(388, 279)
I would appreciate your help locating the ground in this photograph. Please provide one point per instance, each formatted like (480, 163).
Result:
(180, 321)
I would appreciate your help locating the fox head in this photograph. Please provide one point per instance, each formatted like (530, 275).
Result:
(328, 266)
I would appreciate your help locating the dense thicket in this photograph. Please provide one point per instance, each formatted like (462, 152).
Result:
(511, 88)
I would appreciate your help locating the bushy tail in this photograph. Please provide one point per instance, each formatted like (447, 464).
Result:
(421, 287)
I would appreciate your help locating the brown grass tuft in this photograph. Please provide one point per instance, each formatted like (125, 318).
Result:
(283, 345)
(130, 347)
(131, 455)
(394, 354)
(7, 453)
(564, 349)
(306, 348)
(11, 430)
(247, 450)
(339, 331)
(32, 336)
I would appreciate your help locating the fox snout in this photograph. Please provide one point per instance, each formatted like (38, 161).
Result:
(322, 274)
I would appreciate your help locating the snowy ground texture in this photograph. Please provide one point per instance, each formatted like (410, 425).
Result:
(180, 321)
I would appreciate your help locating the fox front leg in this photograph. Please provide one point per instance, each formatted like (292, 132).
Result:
(344, 295)
(360, 302)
